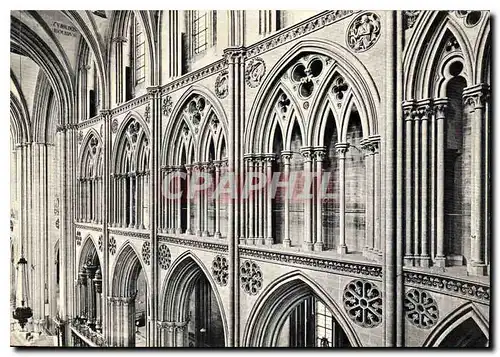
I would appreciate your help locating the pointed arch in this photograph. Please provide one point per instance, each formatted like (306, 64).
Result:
(88, 250)
(423, 52)
(178, 284)
(26, 42)
(126, 269)
(358, 74)
(275, 303)
(455, 319)
(483, 54)
(175, 126)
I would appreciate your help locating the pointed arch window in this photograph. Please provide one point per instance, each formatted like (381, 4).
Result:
(139, 52)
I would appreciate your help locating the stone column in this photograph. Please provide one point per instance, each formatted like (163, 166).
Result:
(119, 80)
(341, 149)
(417, 192)
(269, 158)
(377, 197)
(189, 169)
(319, 156)
(207, 169)
(124, 200)
(180, 334)
(259, 198)
(475, 98)
(251, 205)
(179, 202)
(425, 111)
(369, 212)
(409, 115)
(217, 234)
(440, 106)
(285, 157)
(307, 243)
(199, 228)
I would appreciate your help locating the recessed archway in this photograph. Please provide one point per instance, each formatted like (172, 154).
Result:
(192, 307)
(294, 311)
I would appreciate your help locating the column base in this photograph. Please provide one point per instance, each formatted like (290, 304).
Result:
(408, 260)
(178, 231)
(425, 261)
(287, 243)
(188, 232)
(217, 235)
(318, 247)
(269, 241)
(342, 249)
(259, 240)
(242, 240)
(198, 233)
(440, 262)
(205, 234)
(307, 246)
(477, 269)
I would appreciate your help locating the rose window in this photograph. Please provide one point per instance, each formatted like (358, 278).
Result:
(421, 309)
(250, 277)
(164, 256)
(146, 252)
(363, 303)
(220, 270)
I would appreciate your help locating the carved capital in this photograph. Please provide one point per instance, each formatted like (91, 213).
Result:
(341, 149)
(440, 106)
(286, 156)
(307, 153)
(425, 109)
(154, 92)
(120, 39)
(475, 97)
(235, 54)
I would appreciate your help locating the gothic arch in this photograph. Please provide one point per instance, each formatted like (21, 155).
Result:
(424, 47)
(178, 285)
(170, 148)
(483, 54)
(270, 311)
(88, 250)
(121, 138)
(358, 75)
(41, 108)
(26, 42)
(126, 269)
(118, 29)
(453, 320)
(92, 133)
(19, 121)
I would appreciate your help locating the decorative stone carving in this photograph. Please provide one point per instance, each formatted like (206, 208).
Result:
(304, 75)
(305, 105)
(471, 18)
(250, 277)
(195, 110)
(78, 238)
(214, 124)
(410, 17)
(255, 70)
(293, 32)
(222, 84)
(210, 246)
(147, 113)
(220, 270)
(339, 87)
(451, 45)
(114, 126)
(164, 256)
(146, 252)
(100, 243)
(283, 103)
(421, 309)
(166, 106)
(363, 303)
(80, 137)
(93, 143)
(363, 32)
(57, 223)
(112, 245)
(448, 285)
(133, 131)
(56, 206)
